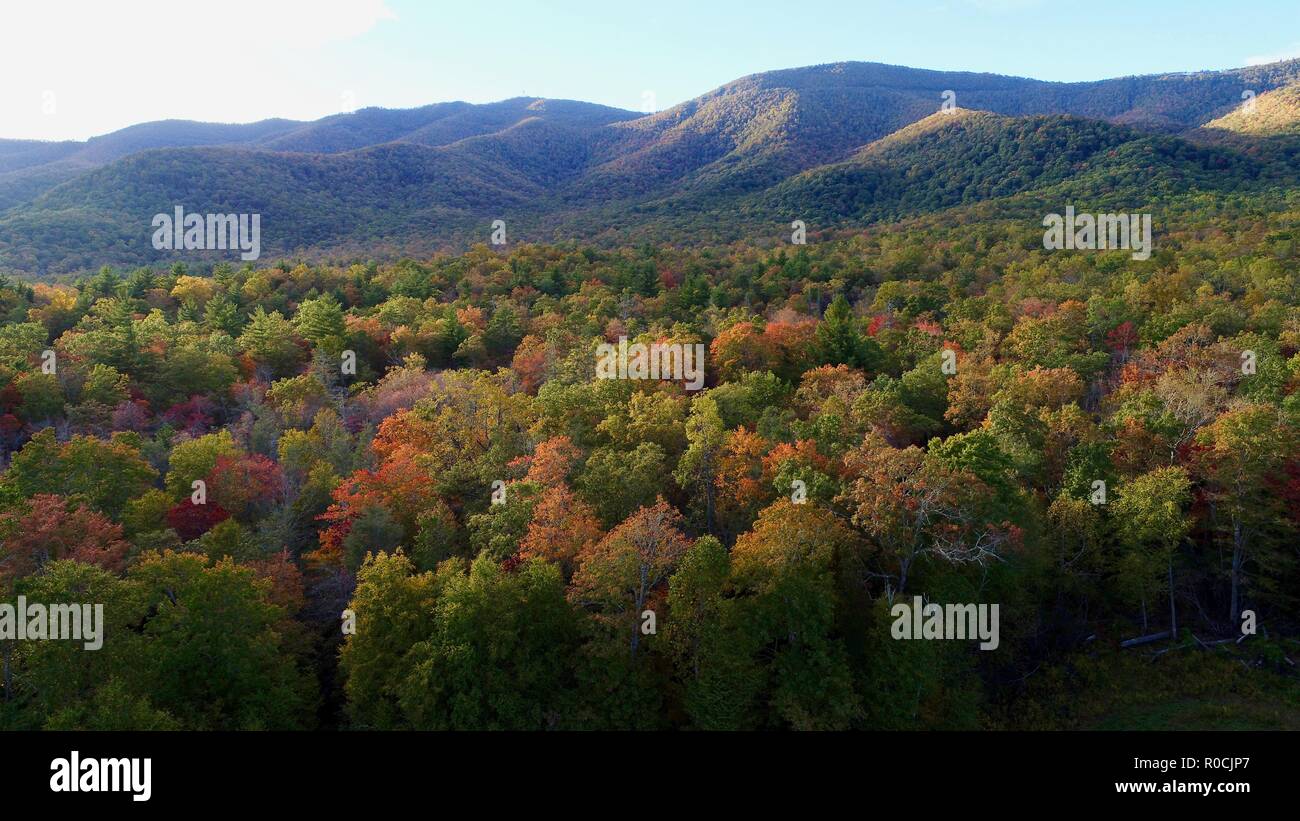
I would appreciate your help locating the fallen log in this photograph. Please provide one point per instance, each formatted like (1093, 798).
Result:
(1140, 640)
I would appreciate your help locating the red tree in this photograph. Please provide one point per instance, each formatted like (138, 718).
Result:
(191, 521)
(51, 529)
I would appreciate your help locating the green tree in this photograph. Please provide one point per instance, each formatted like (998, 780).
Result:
(499, 654)
(393, 606)
(1151, 522)
(320, 321)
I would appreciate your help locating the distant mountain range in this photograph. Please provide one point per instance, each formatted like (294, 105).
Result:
(835, 145)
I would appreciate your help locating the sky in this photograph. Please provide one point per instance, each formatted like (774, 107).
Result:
(73, 69)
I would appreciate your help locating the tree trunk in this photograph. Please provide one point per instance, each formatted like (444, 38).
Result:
(639, 608)
(1173, 612)
(1238, 553)
(9, 674)
(708, 506)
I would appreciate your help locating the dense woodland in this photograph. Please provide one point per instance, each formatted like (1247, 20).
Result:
(373, 491)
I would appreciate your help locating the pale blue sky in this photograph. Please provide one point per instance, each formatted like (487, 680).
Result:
(74, 69)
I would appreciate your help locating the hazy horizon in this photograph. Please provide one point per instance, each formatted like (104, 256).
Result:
(643, 113)
(303, 61)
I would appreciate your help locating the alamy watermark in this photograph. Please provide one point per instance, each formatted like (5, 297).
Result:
(676, 361)
(950, 621)
(36, 621)
(1098, 232)
(128, 775)
(208, 232)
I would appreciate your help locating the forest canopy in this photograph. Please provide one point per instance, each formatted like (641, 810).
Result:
(234, 460)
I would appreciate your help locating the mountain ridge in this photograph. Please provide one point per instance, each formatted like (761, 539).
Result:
(843, 141)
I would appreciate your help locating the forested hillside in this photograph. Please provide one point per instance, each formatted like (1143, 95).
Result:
(245, 465)
(844, 144)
